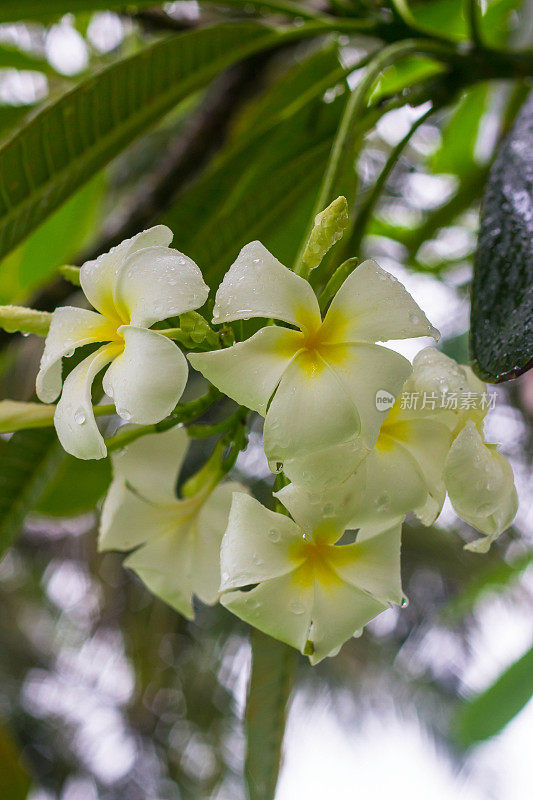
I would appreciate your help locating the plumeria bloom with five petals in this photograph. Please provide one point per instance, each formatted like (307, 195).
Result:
(478, 479)
(136, 284)
(175, 542)
(296, 582)
(315, 382)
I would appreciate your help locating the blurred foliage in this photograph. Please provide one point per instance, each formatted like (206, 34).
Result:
(91, 663)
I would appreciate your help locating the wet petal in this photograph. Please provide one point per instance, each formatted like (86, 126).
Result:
(371, 306)
(128, 520)
(257, 544)
(324, 514)
(249, 371)
(148, 378)
(258, 285)
(480, 482)
(151, 464)
(210, 528)
(74, 418)
(340, 611)
(157, 282)
(97, 277)
(280, 607)
(372, 564)
(368, 372)
(164, 565)
(326, 468)
(310, 410)
(70, 328)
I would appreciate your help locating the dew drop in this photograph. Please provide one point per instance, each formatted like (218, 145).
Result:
(405, 602)
(124, 413)
(69, 353)
(296, 608)
(79, 416)
(274, 535)
(415, 319)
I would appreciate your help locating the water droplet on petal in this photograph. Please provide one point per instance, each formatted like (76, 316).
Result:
(296, 608)
(124, 413)
(274, 535)
(79, 416)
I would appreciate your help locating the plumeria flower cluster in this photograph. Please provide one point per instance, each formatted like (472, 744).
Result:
(315, 568)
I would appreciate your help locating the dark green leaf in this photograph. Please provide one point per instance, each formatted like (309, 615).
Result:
(76, 487)
(53, 9)
(271, 682)
(502, 298)
(70, 139)
(15, 781)
(493, 709)
(260, 188)
(28, 461)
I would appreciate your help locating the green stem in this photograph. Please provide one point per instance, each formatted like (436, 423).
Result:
(355, 107)
(271, 684)
(183, 413)
(472, 12)
(353, 242)
(277, 6)
(206, 431)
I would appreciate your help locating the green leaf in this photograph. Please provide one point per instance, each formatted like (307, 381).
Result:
(456, 153)
(501, 339)
(53, 243)
(53, 9)
(260, 187)
(273, 672)
(28, 461)
(76, 488)
(63, 145)
(13, 58)
(493, 709)
(15, 781)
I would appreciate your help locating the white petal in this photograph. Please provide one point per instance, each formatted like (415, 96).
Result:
(480, 482)
(128, 520)
(372, 306)
(256, 545)
(250, 371)
(97, 277)
(258, 285)
(70, 328)
(340, 611)
(151, 464)
(164, 564)
(210, 527)
(74, 418)
(364, 370)
(148, 378)
(310, 410)
(326, 468)
(477, 477)
(156, 283)
(280, 607)
(372, 564)
(323, 514)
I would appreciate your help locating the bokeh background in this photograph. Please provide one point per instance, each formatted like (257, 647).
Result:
(105, 692)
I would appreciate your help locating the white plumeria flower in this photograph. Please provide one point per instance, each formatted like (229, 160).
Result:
(403, 472)
(292, 580)
(478, 479)
(175, 542)
(316, 385)
(134, 285)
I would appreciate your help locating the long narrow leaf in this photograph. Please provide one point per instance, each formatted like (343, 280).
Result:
(489, 712)
(69, 140)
